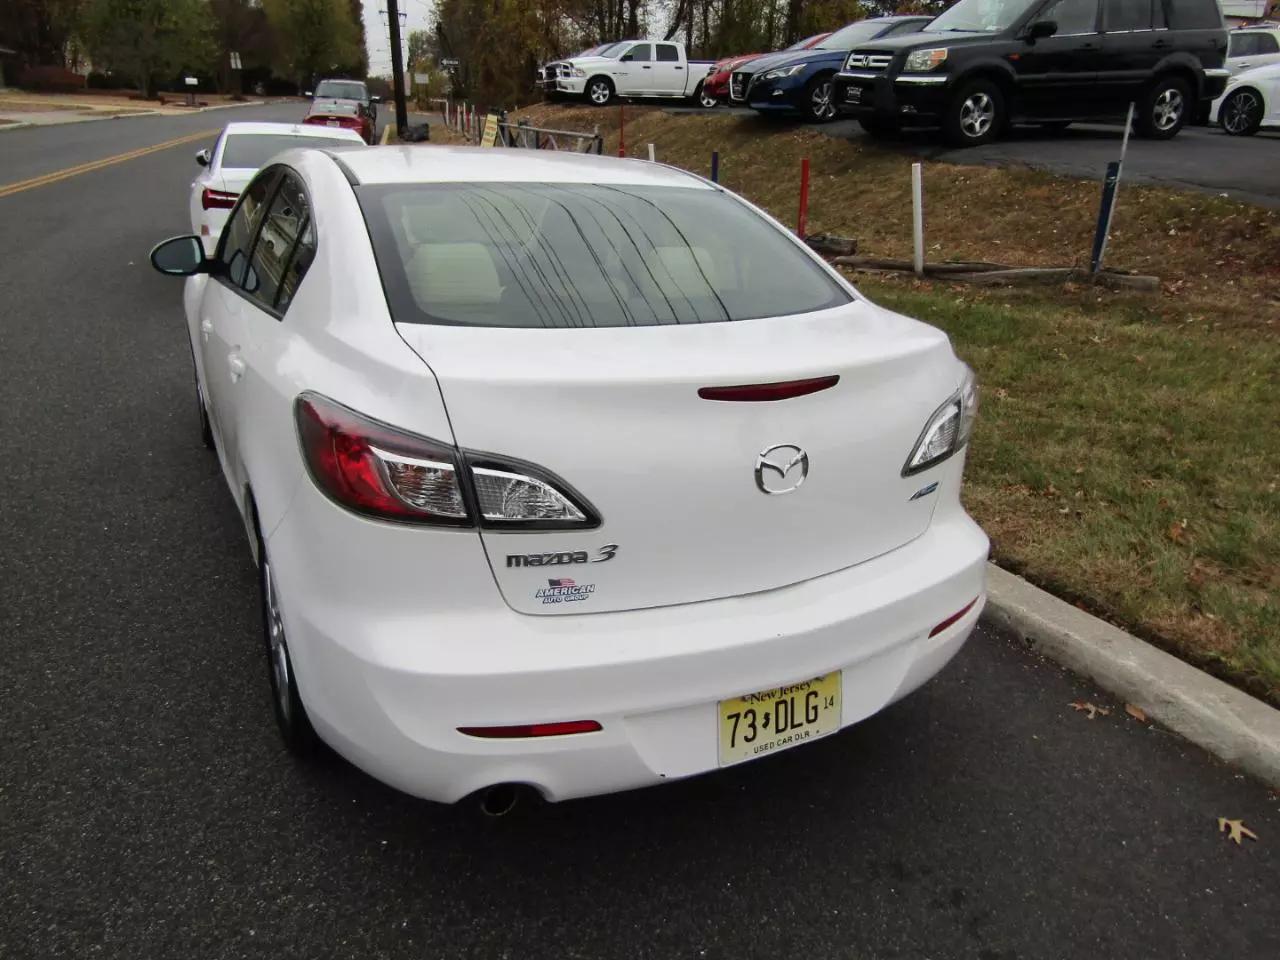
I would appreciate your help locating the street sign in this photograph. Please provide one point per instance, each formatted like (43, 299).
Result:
(490, 136)
(448, 63)
(191, 81)
(422, 78)
(235, 61)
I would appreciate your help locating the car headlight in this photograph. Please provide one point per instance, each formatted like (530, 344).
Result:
(947, 430)
(781, 72)
(579, 72)
(919, 61)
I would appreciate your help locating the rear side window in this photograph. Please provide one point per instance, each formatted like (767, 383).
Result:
(1122, 15)
(584, 255)
(1267, 43)
(1193, 14)
(667, 53)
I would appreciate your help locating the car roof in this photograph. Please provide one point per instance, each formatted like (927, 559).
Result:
(284, 129)
(447, 164)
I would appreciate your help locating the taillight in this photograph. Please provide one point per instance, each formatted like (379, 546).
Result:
(217, 199)
(380, 471)
(948, 430)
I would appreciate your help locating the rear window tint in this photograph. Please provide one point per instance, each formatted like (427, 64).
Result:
(1193, 14)
(584, 255)
(253, 150)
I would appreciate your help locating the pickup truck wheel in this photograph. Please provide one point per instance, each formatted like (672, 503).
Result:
(599, 91)
(818, 107)
(1164, 108)
(1241, 113)
(704, 99)
(975, 115)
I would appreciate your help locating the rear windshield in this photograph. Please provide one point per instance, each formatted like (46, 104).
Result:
(342, 90)
(583, 255)
(253, 150)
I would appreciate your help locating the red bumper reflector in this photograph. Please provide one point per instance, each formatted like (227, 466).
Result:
(758, 392)
(953, 618)
(525, 730)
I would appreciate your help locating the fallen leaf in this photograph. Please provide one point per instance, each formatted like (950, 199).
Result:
(1091, 708)
(1237, 830)
(1136, 712)
(1178, 531)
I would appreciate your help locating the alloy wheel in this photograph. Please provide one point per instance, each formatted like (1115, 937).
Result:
(1240, 112)
(1167, 109)
(706, 99)
(277, 647)
(977, 113)
(599, 92)
(823, 108)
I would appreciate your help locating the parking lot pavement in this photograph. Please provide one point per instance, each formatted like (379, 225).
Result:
(1199, 158)
(147, 808)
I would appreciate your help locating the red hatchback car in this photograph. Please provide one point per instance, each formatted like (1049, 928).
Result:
(344, 114)
(717, 82)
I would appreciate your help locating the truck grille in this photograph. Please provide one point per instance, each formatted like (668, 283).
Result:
(877, 62)
(739, 83)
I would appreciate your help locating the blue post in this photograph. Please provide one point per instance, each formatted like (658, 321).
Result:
(715, 166)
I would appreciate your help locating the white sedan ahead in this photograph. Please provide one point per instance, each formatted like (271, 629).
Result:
(240, 150)
(1250, 102)
(569, 473)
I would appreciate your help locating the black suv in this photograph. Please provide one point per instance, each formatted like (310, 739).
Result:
(987, 63)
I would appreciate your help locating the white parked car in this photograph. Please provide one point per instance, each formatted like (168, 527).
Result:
(569, 472)
(1250, 102)
(240, 150)
(1249, 47)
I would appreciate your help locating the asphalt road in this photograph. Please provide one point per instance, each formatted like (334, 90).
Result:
(148, 810)
(1199, 158)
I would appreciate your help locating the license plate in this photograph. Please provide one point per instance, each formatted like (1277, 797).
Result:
(773, 720)
(853, 94)
(331, 123)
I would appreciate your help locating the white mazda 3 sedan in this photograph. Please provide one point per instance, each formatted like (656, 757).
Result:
(569, 472)
(240, 150)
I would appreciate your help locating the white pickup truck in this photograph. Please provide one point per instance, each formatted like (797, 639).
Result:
(634, 68)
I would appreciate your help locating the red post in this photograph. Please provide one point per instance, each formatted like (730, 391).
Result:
(804, 198)
(622, 131)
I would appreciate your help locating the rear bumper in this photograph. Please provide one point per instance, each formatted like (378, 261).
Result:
(905, 98)
(388, 688)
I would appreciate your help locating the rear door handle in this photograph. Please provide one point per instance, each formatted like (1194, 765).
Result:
(206, 328)
(647, 67)
(679, 68)
(236, 364)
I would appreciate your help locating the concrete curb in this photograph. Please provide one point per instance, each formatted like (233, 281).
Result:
(160, 112)
(1214, 715)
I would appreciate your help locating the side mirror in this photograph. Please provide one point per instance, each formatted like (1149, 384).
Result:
(203, 158)
(627, 58)
(180, 257)
(1041, 29)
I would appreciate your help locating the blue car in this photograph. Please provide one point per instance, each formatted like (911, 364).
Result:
(800, 82)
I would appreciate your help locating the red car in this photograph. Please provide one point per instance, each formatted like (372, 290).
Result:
(717, 82)
(344, 114)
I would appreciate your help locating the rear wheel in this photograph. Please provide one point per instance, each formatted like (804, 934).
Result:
(704, 99)
(1241, 113)
(291, 716)
(818, 107)
(1164, 109)
(877, 128)
(975, 115)
(599, 91)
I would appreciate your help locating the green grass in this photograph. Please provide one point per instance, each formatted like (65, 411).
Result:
(1127, 461)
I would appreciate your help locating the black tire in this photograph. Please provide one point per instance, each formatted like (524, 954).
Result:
(704, 100)
(1241, 113)
(1165, 108)
(818, 106)
(975, 115)
(291, 716)
(879, 129)
(599, 91)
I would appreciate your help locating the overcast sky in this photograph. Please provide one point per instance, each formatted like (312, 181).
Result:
(416, 16)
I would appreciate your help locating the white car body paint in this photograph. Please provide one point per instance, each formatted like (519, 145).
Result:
(1266, 81)
(208, 224)
(400, 635)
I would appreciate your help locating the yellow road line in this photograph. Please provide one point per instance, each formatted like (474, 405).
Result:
(48, 178)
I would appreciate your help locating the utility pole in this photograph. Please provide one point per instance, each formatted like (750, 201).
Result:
(397, 67)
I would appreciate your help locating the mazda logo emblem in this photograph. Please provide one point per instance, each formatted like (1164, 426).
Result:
(781, 468)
